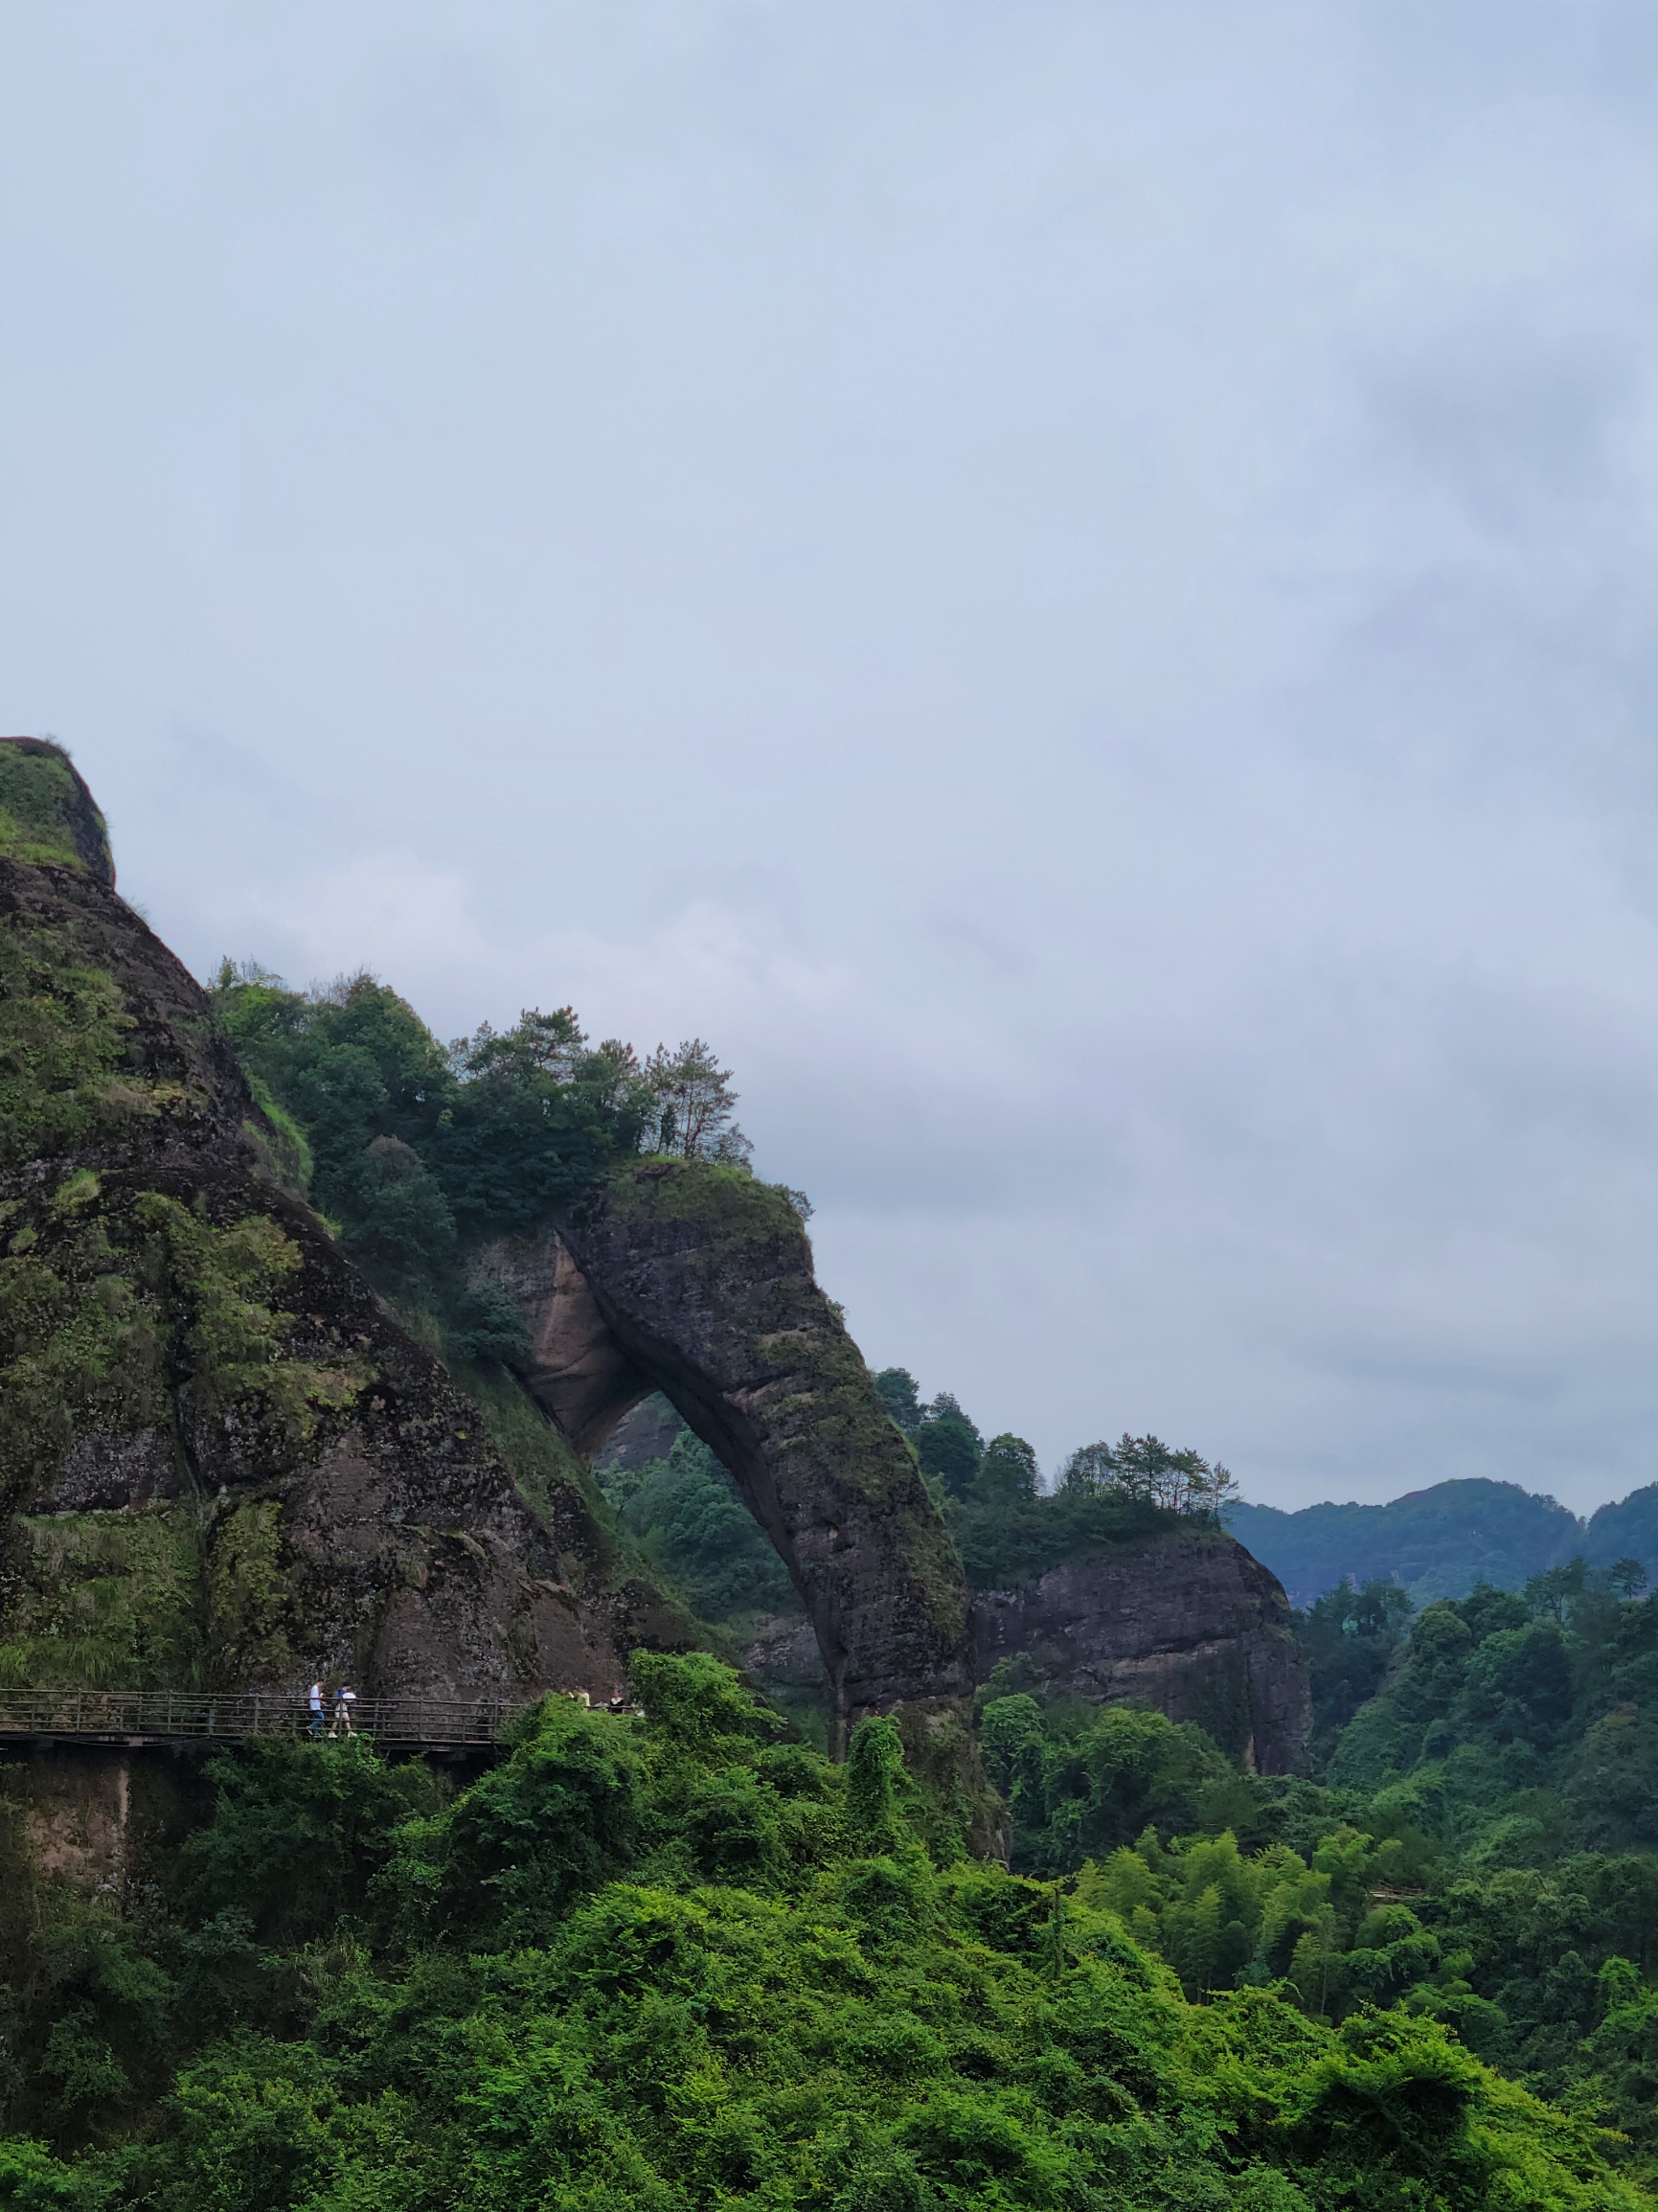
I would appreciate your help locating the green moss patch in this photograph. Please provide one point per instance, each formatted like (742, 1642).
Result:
(728, 1204)
(249, 1599)
(47, 815)
(82, 1348)
(113, 1301)
(234, 1333)
(110, 1601)
(540, 1460)
(63, 1047)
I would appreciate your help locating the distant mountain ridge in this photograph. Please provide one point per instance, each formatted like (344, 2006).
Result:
(1440, 1541)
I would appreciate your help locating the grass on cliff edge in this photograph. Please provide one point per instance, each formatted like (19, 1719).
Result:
(44, 809)
(669, 1963)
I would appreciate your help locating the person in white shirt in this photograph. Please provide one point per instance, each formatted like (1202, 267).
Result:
(316, 1708)
(343, 1700)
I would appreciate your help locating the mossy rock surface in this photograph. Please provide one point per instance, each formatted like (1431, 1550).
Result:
(46, 814)
(183, 1347)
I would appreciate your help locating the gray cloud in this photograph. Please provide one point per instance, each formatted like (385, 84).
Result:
(1070, 584)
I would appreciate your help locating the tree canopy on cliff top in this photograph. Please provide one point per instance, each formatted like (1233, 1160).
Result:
(414, 1148)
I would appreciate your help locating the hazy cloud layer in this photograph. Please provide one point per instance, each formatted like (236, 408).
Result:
(1072, 584)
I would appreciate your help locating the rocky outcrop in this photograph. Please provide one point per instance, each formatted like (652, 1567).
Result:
(1187, 1623)
(199, 1395)
(696, 1281)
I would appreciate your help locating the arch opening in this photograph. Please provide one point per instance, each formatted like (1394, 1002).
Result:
(684, 1280)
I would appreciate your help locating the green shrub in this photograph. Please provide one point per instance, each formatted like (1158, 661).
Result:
(656, 1962)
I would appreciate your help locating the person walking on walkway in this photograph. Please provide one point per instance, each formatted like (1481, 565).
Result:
(316, 1701)
(344, 1699)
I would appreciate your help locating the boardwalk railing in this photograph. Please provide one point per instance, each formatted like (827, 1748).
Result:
(185, 1715)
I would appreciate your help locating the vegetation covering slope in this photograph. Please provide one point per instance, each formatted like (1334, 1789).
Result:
(1436, 1542)
(1480, 1848)
(46, 811)
(689, 1523)
(664, 1962)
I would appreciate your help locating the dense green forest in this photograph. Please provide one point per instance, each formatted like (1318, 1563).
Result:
(689, 1523)
(1478, 1847)
(674, 1960)
(1475, 1843)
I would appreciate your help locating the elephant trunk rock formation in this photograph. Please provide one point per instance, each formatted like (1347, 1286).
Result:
(698, 1281)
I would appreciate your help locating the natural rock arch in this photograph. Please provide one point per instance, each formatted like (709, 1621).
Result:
(696, 1281)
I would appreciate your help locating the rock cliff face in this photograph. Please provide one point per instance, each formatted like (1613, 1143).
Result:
(220, 1455)
(696, 1281)
(1188, 1623)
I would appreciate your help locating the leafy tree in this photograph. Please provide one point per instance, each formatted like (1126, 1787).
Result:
(1145, 1467)
(694, 1104)
(896, 1388)
(1007, 1474)
(1554, 1589)
(533, 1117)
(948, 1445)
(297, 1835)
(1092, 1467)
(1348, 1639)
(552, 1045)
(1075, 1794)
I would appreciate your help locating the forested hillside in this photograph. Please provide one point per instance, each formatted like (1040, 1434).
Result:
(674, 1961)
(1438, 1542)
(1479, 1848)
(1478, 1844)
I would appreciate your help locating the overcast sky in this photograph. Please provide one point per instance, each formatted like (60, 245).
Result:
(1072, 584)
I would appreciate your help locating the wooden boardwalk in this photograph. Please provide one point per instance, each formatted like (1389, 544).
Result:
(140, 1716)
